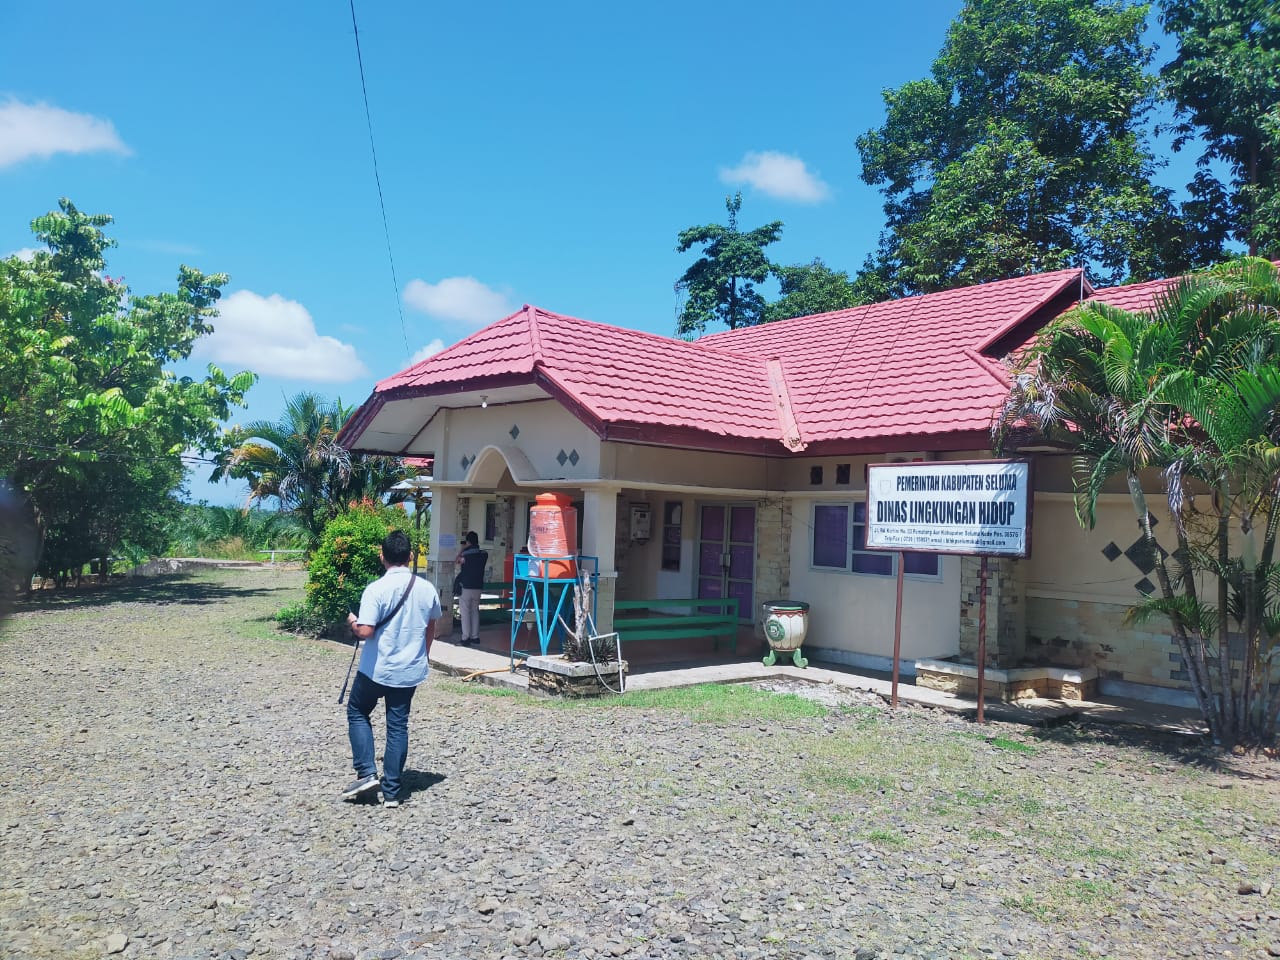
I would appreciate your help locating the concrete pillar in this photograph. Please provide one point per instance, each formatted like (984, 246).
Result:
(599, 533)
(1006, 611)
(773, 556)
(443, 547)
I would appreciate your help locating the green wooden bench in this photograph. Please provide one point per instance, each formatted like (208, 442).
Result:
(652, 619)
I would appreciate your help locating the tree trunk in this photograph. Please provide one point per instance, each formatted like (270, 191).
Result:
(1230, 718)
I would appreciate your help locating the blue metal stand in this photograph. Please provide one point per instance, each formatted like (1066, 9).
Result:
(541, 600)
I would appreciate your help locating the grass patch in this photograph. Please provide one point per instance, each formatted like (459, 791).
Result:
(722, 702)
(1071, 900)
(888, 838)
(1016, 746)
(836, 778)
(1000, 743)
(1028, 905)
(703, 703)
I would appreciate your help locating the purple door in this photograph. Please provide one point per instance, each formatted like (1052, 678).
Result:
(727, 554)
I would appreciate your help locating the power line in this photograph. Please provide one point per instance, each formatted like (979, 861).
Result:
(103, 454)
(386, 230)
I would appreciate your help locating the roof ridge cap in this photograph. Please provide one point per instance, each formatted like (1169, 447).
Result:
(993, 368)
(791, 438)
(535, 336)
(1074, 273)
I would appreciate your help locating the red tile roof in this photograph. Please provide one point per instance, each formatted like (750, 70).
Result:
(1134, 296)
(912, 370)
(904, 367)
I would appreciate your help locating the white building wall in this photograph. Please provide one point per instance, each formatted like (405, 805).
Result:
(541, 430)
(854, 613)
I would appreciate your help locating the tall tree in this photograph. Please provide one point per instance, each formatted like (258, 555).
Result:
(1023, 151)
(92, 422)
(809, 288)
(720, 285)
(1225, 84)
(298, 462)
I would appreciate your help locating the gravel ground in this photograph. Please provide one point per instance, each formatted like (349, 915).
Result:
(172, 769)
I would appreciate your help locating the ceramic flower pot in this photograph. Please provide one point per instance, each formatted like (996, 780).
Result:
(786, 622)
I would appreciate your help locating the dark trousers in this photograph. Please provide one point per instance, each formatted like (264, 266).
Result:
(365, 695)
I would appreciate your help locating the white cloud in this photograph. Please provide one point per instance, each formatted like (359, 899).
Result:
(463, 300)
(277, 337)
(30, 130)
(430, 350)
(779, 175)
(22, 253)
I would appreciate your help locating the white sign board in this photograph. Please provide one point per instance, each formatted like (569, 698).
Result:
(970, 507)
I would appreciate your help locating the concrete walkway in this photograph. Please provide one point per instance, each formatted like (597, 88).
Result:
(494, 669)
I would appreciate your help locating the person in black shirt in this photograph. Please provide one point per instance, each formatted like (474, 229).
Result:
(473, 561)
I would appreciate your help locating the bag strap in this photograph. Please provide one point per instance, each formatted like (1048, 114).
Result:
(399, 603)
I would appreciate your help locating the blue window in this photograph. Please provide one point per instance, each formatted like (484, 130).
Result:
(840, 543)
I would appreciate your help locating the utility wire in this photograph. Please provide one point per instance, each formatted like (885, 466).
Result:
(386, 230)
(103, 454)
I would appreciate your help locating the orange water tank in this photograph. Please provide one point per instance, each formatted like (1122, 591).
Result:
(553, 532)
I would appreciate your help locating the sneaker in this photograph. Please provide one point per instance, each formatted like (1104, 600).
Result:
(361, 785)
(391, 804)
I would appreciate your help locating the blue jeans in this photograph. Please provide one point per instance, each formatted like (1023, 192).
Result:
(365, 695)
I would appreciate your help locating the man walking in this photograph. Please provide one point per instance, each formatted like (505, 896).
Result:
(398, 617)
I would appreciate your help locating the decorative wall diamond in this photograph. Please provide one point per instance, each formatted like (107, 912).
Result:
(1140, 555)
(561, 457)
(573, 457)
(1111, 551)
(514, 431)
(1145, 586)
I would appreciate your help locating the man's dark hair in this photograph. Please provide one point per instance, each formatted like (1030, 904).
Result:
(472, 538)
(395, 547)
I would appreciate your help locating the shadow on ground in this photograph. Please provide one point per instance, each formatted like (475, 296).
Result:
(413, 781)
(1180, 748)
(178, 588)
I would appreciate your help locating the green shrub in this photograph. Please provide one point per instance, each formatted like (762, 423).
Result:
(300, 618)
(346, 561)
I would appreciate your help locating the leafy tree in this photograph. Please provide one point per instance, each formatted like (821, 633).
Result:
(298, 462)
(92, 422)
(809, 288)
(1023, 151)
(720, 285)
(1188, 391)
(1225, 83)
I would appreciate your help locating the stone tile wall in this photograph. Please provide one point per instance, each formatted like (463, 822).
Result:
(1006, 610)
(1081, 633)
(773, 556)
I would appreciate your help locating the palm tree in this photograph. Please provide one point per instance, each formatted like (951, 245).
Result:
(1191, 389)
(298, 462)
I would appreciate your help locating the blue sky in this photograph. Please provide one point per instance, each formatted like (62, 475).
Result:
(529, 153)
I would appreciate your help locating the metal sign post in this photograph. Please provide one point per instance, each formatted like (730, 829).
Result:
(982, 636)
(975, 508)
(897, 634)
